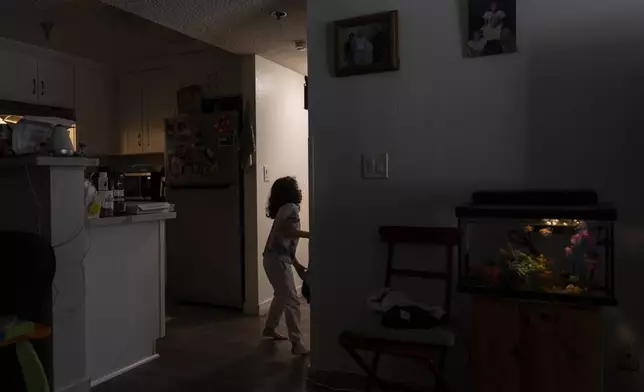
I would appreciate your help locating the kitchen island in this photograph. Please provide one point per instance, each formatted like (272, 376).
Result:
(125, 292)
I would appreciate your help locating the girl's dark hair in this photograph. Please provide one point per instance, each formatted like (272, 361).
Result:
(285, 190)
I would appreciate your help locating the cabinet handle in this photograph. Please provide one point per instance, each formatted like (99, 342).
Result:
(139, 139)
(42, 87)
(33, 91)
(148, 133)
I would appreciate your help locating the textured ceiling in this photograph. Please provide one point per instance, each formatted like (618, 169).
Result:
(94, 30)
(239, 26)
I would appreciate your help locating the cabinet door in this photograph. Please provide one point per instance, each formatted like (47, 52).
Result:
(56, 83)
(18, 78)
(579, 348)
(94, 94)
(496, 352)
(159, 103)
(538, 347)
(130, 114)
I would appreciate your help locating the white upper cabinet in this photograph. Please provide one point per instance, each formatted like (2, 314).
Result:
(130, 117)
(55, 83)
(18, 77)
(146, 99)
(95, 96)
(34, 75)
(159, 103)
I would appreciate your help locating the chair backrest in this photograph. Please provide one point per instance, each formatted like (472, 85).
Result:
(27, 268)
(446, 237)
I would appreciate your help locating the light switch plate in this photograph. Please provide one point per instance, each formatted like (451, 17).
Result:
(265, 171)
(375, 166)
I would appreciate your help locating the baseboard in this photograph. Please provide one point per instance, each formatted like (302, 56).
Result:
(251, 309)
(79, 386)
(124, 370)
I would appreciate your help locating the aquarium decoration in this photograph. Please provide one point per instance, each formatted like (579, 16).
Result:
(537, 244)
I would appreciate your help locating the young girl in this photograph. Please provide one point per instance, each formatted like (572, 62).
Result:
(279, 257)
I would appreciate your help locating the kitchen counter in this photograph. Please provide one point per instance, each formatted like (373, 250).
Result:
(129, 219)
(33, 160)
(125, 292)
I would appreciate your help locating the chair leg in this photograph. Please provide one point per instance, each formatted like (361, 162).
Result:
(372, 376)
(439, 374)
(442, 364)
(374, 369)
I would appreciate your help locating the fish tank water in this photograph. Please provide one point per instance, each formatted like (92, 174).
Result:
(541, 245)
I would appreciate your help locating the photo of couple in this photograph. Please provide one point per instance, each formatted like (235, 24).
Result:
(366, 44)
(491, 27)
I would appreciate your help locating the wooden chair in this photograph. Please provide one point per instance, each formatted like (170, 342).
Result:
(28, 266)
(423, 345)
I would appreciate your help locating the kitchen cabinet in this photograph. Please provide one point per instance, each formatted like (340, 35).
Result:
(146, 100)
(55, 83)
(19, 77)
(130, 114)
(34, 79)
(159, 103)
(535, 346)
(95, 100)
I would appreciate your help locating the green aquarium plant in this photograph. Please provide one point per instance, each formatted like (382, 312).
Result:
(525, 264)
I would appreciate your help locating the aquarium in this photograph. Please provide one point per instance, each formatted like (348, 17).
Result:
(542, 245)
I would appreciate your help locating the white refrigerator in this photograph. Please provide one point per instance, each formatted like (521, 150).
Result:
(205, 245)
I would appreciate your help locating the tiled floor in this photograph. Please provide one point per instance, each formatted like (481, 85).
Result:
(219, 351)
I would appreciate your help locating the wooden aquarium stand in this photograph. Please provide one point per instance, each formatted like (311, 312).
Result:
(528, 346)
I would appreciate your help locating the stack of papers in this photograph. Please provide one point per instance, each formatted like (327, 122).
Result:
(149, 208)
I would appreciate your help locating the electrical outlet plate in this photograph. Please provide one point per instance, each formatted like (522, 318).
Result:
(375, 166)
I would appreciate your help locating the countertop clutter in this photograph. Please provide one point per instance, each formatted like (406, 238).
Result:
(128, 219)
(109, 194)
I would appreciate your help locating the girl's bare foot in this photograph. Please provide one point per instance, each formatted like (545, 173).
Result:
(299, 349)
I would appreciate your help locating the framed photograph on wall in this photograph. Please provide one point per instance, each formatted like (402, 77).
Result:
(492, 27)
(366, 44)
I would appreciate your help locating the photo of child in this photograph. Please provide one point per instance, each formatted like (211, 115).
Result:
(491, 27)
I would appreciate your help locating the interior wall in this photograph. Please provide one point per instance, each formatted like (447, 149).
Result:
(251, 270)
(282, 147)
(564, 111)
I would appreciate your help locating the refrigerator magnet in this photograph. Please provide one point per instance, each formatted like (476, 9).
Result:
(226, 141)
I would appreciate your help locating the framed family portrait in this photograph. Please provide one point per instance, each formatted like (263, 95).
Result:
(492, 28)
(366, 44)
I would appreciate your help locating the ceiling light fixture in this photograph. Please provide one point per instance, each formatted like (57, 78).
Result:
(279, 15)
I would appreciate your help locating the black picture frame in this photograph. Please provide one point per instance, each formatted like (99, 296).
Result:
(306, 93)
(491, 28)
(376, 35)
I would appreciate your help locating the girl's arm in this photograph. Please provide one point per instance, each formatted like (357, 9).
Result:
(288, 227)
(289, 231)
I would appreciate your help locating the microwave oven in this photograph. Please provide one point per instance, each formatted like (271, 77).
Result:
(144, 186)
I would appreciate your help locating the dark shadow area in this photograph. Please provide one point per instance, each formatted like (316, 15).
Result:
(584, 130)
